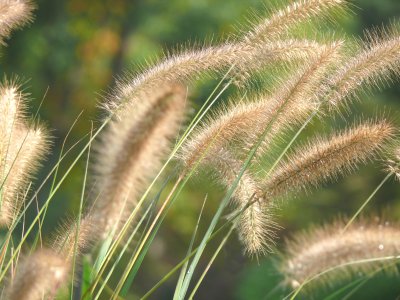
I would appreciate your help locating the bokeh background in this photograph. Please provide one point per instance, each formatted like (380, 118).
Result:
(69, 58)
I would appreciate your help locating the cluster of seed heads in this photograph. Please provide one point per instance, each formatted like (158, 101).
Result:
(146, 113)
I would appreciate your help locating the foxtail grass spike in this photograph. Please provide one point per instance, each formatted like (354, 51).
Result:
(280, 21)
(131, 151)
(325, 158)
(327, 254)
(376, 63)
(38, 275)
(256, 227)
(21, 151)
(186, 66)
(247, 120)
(14, 14)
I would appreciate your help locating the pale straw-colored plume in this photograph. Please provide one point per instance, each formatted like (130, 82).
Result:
(256, 227)
(12, 113)
(189, 65)
(38, 276)
(131, 151)
(244, 123)
(14, 14)
(393, 163)
(251, 52)
(247, 120)
(42, 274)
(73, 239)
(325, 158)
(21, 151)
(27, 149)
(280, 21)
(377, 61)
(329, 254)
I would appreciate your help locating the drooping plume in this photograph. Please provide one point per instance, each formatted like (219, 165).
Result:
(328, 254)
(280, 21)
(325, 158)
(40, 274)
(132, 149)
(73, 240)
(14, 14)
(247, 120)
(256, 227)
(21, 151)
(377, 61)
(393, 164)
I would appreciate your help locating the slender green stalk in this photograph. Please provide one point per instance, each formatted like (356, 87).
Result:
(367, 201)
(221, 245)
(3, 273)
(184, 268)
(78, 226)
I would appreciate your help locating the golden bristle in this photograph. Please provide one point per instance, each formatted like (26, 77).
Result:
(375, 64)
(325, 158)
(255, 227)
(13, 14)
(72, 241)
(393, 164)
(40, 274)
(189, 65)
(328, 254)
(247, 120)
(132, 149)
(24, 154)
(282, 20)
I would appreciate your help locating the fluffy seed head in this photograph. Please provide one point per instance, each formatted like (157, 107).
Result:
(393, 164)
(256, 227)
(284, 19)
(131, 151)
(375, 64)
(187, 66)
(326, 254)
(247, 120)
(25, 151)
(72, 240)
(324, 158)
(39, 274)
(13, 14)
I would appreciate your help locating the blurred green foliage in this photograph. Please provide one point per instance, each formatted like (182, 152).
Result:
(70, 57)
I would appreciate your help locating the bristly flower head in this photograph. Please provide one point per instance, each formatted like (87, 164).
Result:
(328, 254)
(393, 164)
(325, 158)
(280, 21)
(14, 14)
(39, 274)
(21, 150)
(131, 151)
(375, 64)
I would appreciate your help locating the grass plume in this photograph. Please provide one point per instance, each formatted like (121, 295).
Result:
(376, 62)
(281, 20)
(131, 151)
(14, 14)
(328, 254)
(21, 150)
(324, 158)
(40, 274)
